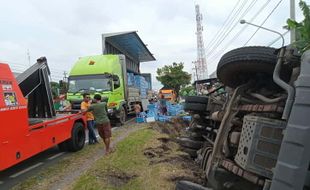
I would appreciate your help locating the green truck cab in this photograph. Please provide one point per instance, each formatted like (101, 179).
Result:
(105, 75)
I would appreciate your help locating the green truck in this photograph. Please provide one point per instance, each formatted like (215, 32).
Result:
(105, 75)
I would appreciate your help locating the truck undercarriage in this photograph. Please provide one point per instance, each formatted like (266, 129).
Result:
(256, 135)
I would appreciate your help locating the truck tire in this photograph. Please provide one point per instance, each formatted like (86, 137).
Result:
(196, 136)
(122, 115)
(190, 151)
(242, 64)
(77, 140)
(195, 107)
(206, 159)
(187, 185)
(197, 99)
(200, 131)
(186, 142)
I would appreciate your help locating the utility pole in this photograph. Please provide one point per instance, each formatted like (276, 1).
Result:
(292, 17)
(196, 72)
(65, 76)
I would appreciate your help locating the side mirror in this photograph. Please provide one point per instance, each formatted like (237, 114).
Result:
(116, 81)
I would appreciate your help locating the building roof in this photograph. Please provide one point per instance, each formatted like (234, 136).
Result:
(130, 43)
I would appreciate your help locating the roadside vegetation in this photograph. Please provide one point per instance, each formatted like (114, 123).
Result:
(302, 28)
(69, 167)
(147, 159)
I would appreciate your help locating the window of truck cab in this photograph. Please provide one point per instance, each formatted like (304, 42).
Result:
(89, 83)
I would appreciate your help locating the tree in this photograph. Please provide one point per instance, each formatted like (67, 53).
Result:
(59, 88)
(63, 87)
(187, 91)
(55, 88)
(302, 42)
(173, 76)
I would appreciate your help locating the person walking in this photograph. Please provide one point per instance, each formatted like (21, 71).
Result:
(99, 109)
(162, 104)
(92, 139)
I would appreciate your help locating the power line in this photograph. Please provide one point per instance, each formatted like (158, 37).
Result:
(240, 31)
(236, 23)
(263, 22)
(227, 31)
(223, 25)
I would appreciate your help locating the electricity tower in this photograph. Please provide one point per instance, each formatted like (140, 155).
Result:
(200, 63)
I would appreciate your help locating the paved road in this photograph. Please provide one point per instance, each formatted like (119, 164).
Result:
(31, 166)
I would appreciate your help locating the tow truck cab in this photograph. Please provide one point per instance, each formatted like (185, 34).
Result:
(29, 123)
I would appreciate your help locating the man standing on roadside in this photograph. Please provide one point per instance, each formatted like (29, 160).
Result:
(99, 109)
(92, 139)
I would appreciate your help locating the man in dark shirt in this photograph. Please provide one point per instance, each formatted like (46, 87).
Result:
(99, 109)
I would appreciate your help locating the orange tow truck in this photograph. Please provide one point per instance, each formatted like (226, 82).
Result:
(29, 123)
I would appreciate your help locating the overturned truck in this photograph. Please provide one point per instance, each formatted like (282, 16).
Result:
(255, 135)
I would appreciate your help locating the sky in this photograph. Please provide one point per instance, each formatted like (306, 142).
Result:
(63, 31)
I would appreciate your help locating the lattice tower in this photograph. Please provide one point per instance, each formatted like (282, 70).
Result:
(201, 64)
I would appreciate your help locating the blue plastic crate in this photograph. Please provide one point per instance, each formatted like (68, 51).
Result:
(140, 120)
(161, 118)
(151, 106)
(187, 118)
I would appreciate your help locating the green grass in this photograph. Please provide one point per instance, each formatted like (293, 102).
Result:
(51, 175)
(128, 158)
(125, 169)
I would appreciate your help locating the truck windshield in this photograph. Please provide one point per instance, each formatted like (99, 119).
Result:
(83, 84)
(167, 95)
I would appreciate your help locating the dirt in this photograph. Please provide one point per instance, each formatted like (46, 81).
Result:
(116, 179)
(174, 128)
(165, 153)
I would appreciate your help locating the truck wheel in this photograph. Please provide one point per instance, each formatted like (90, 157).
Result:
(242, 64)
(187, 185)
(77, 140)
(197, 99)
(195, 107)
(122, 115)
(206, 158)
(190, 151)
(186, 142)
(196, 136)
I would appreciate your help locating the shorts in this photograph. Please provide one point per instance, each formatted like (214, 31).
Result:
(104, 130)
